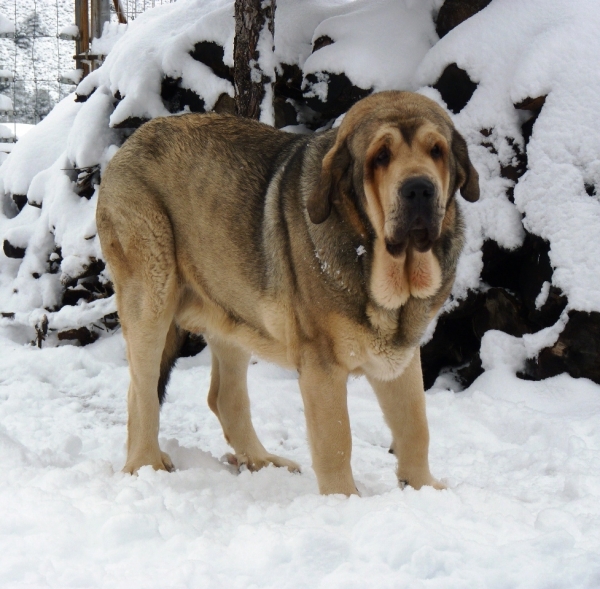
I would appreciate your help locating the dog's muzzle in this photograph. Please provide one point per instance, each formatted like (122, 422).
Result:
(417, 225)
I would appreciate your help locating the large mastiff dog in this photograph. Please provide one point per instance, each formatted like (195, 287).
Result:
(327, 253)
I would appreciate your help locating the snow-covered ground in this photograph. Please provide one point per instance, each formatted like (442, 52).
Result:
(521, 461)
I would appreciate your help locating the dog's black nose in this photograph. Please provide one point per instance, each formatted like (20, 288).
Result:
(416, 188)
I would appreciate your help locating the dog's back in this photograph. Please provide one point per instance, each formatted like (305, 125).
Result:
(189, 172)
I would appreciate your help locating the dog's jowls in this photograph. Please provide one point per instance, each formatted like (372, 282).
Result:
(327, 253)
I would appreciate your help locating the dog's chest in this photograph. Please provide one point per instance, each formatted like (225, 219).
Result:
(373, 350)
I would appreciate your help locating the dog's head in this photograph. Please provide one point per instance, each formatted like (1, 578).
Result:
(399, 156)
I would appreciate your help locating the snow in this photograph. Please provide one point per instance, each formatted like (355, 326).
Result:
(536, 49)
(7, 26)
(6, 105)
(39, 149)
(163, 38)
(358, 52)
(70, 31)
(110, 35)
(521, 460)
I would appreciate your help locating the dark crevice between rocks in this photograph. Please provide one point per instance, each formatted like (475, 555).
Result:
(517, 166)
(524, 271)
(341, 95)
(176, 98)
(20, 200)
(90, 289)
(83, 335)
(83, 97)
(455, 87)
(288, 82)
(288, 97)
(110, 321)
(322, 41)
(454, 343)
(13, 251)
(515, 169)
(534, 107)
(577, 350)
(211, 54)
(54, 260)
(454, 12)
(130, 123)
(285, 112)
(87, 180)
(515, 278)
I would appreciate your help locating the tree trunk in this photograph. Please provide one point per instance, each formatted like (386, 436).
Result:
(252, 17)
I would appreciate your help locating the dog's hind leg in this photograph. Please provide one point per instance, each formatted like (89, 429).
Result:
(141, 257)
(228, 398)
(146, 334)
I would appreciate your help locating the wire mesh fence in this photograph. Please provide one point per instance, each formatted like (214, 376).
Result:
(36, 64)
(35, 57)
(133, 8)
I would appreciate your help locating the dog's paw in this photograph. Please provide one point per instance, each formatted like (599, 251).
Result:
(167, 462)
(162, 462)
(241, 461)
(416, 482)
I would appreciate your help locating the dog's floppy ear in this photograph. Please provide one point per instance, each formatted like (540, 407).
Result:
(329, 186)
(467, 178)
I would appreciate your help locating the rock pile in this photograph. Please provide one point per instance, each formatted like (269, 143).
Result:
(516, 294)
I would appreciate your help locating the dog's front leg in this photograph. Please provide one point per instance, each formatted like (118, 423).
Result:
(324, 394)
(402, 401)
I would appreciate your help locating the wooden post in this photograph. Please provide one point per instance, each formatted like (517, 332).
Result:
(120, 12)
(100, 15)
(82, 44)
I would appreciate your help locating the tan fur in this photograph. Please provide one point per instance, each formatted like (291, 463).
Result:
(268, 244)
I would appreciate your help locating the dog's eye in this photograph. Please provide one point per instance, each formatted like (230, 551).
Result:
(436, 152)
(382, 158)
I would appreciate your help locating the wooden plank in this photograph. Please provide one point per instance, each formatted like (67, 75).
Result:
(100, 15)
(78, 40)
(120, 12)
(95, 26)
(84, 34)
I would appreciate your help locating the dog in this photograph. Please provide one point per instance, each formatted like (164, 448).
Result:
(327, 253)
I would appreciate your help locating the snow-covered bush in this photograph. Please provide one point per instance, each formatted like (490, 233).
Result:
(522, 92)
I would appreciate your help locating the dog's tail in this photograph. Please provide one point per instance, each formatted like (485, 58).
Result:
(179, 343)
(175, 338)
